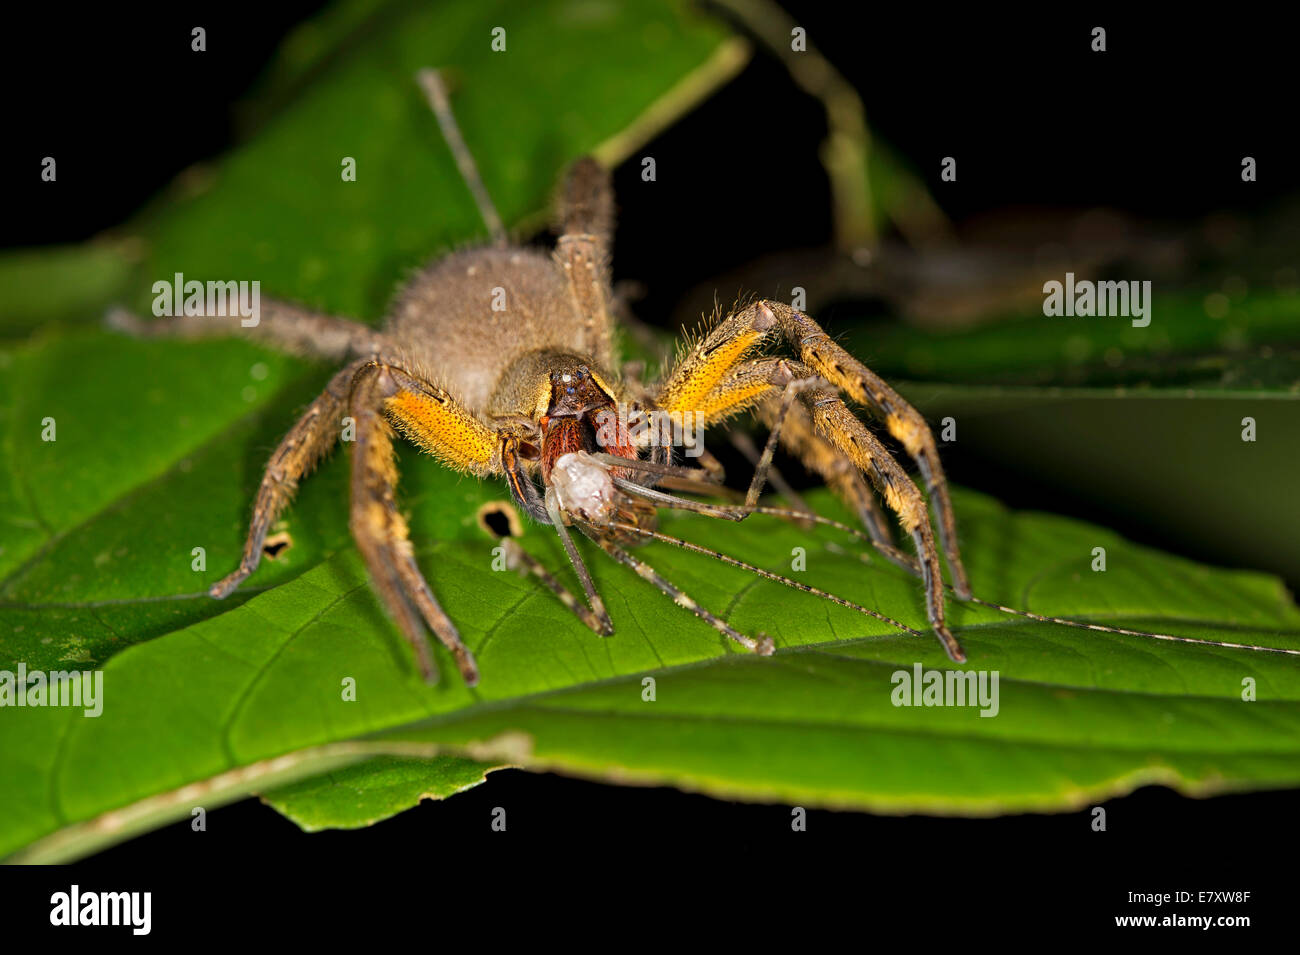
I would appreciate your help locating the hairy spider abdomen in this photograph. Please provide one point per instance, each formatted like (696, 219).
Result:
(470, 317)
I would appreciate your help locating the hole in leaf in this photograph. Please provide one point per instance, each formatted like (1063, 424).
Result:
(500, 519)
(276, 544)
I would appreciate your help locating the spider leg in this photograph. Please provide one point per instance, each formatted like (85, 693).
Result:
(585, 210)
(745, 385)
(762, 646)
(516, 556)
(743, 443)
(579, 567)
(833, 419)
(435, 91)
(585, 205)
(825, 357)
(769, 575)
(380, 531)
(300, 450)
(430, 418)
(705, 382)
(754, 383)
(281, 325)
(793, 423)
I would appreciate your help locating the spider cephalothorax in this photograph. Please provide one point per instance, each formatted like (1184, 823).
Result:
(582, 415)
(501, 361)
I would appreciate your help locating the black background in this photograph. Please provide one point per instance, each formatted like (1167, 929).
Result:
(1156, 126)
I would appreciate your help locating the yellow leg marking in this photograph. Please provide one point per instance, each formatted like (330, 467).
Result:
(725, 402)
(709, 362)
(441, 427)
(842, 428)
(701, 372)
(744, 386)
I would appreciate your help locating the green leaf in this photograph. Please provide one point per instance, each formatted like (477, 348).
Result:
(41, 285)
(1081, 713)
(1199, 343)
(365, 793)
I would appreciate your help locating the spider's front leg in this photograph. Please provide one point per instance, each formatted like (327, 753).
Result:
(362, 387)
(309, 440)
(825, 357)
(434, 421)
(792, 425)
(799, 437)
(713, 381)
(380, 531)
(841, 427)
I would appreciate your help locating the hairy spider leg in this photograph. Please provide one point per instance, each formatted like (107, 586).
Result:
(282, 325)
(819, 456)
(827, 358)
(734, 386)
(307, 442)
(763, 646)
(435, 91)
(381, 533)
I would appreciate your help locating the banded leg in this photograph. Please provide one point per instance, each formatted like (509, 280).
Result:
(759, 380)
(282, 325)
(841, 475)
(762, 646)
(431, 419)
(585, 209)
(520, 559)
(309, 440)
(824, 356)
(382, 534)
(834, 421)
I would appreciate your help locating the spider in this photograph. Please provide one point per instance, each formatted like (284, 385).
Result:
(535, 390)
